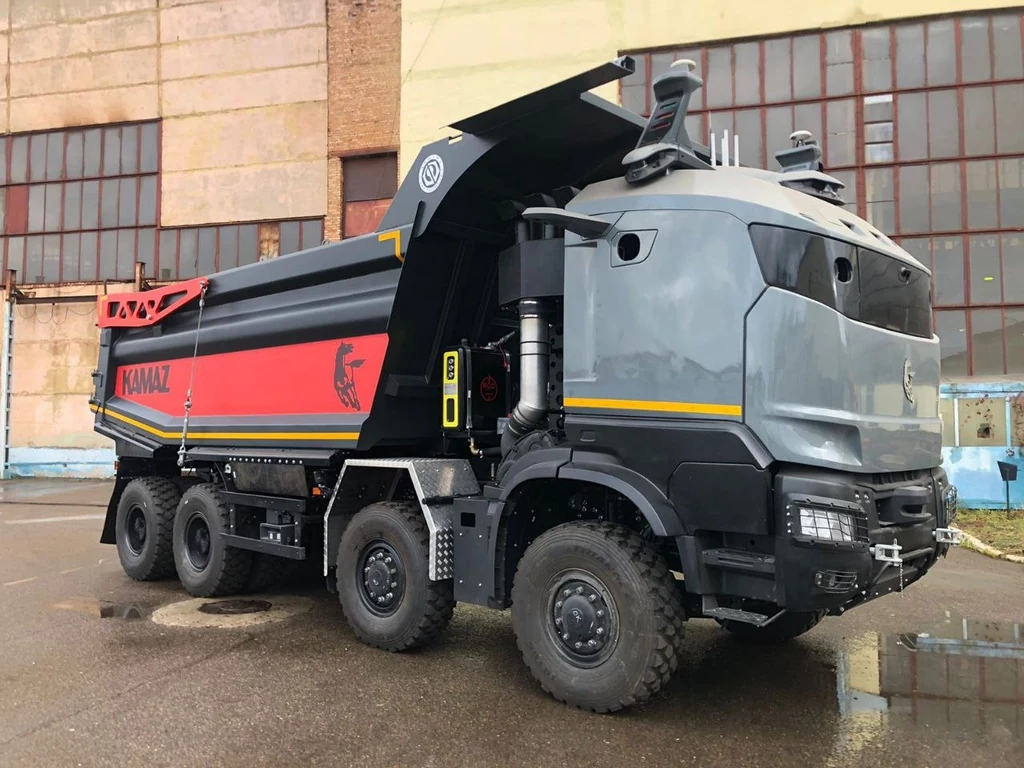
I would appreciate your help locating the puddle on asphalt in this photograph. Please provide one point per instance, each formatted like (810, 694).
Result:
(965, 679)
(105, 609)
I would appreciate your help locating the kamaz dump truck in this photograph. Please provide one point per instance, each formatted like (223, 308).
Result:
(581, 370)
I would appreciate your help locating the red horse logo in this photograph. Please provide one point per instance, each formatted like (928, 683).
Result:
(344, 376)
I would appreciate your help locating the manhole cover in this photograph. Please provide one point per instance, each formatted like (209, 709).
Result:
(235, 607)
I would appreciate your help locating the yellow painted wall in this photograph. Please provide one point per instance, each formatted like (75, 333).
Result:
(462, 56)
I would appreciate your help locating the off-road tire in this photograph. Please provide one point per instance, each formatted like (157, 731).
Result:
(270, 572)
(157, 498)
(782, 630)
(228, 568)
(425, 607)
(646, 601)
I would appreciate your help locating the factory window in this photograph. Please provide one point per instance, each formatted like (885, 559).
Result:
(79, 204)
(188, 252)
(368, 185)
(921, 121)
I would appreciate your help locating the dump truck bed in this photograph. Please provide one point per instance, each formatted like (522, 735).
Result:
(338, 347)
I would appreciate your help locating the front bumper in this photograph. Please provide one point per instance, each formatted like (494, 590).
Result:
(900, 527)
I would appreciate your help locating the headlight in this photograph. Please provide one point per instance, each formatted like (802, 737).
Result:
(827, 525)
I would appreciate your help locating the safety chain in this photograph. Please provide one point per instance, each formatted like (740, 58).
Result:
(192, 376)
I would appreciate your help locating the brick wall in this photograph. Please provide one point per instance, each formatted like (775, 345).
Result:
(364, 39)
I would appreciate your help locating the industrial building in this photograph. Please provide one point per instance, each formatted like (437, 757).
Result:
(918, 108)
(176, 138)
(191, 135)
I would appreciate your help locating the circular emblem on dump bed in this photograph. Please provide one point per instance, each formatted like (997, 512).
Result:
(431, 173)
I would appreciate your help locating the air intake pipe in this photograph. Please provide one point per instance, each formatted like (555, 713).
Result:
(534, 364)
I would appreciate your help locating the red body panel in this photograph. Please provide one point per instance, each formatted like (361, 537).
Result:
(320, 377)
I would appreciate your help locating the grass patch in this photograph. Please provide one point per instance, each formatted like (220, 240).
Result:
(995, 528)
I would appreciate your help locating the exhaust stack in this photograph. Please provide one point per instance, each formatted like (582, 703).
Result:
(534, 356)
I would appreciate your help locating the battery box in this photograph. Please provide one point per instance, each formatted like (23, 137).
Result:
(476, 390)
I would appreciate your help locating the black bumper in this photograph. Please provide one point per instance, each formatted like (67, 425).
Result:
(813, 573)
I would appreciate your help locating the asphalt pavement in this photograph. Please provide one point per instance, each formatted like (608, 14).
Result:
(96, 670)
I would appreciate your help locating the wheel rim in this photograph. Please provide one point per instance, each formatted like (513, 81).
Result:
(198, 542)
(381, 578)
(135, 529)
(581, 619)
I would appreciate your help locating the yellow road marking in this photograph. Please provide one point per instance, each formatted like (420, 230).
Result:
(655, 406)
(351, 436)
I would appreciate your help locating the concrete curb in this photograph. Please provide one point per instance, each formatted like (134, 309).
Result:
(977, 545)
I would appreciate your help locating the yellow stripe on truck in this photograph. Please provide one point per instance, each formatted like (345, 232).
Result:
(351, 436)
(655, 406)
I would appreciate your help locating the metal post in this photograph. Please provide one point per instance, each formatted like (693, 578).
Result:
(6, 360)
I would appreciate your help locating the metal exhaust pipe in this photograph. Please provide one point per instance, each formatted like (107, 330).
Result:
(534, 364)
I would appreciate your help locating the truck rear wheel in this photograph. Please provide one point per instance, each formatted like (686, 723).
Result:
(597, 616)
(145, 518)
(383, 578)
(206, 566)
(782, 630)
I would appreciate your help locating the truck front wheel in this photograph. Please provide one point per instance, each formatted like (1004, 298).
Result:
(597, 616)
(384, 579)
(206, 566)
(145, 517)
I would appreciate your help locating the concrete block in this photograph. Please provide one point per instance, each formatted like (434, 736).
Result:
(280, 191)
(260, 51)
(91, 108)
(108, 34)
(63, 462)
(84, 73)
(255, 89)
(288, 132)
(36, 13)
(225, 18)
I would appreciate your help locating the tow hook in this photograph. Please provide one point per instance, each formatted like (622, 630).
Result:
(951, 536)
(887, 553)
